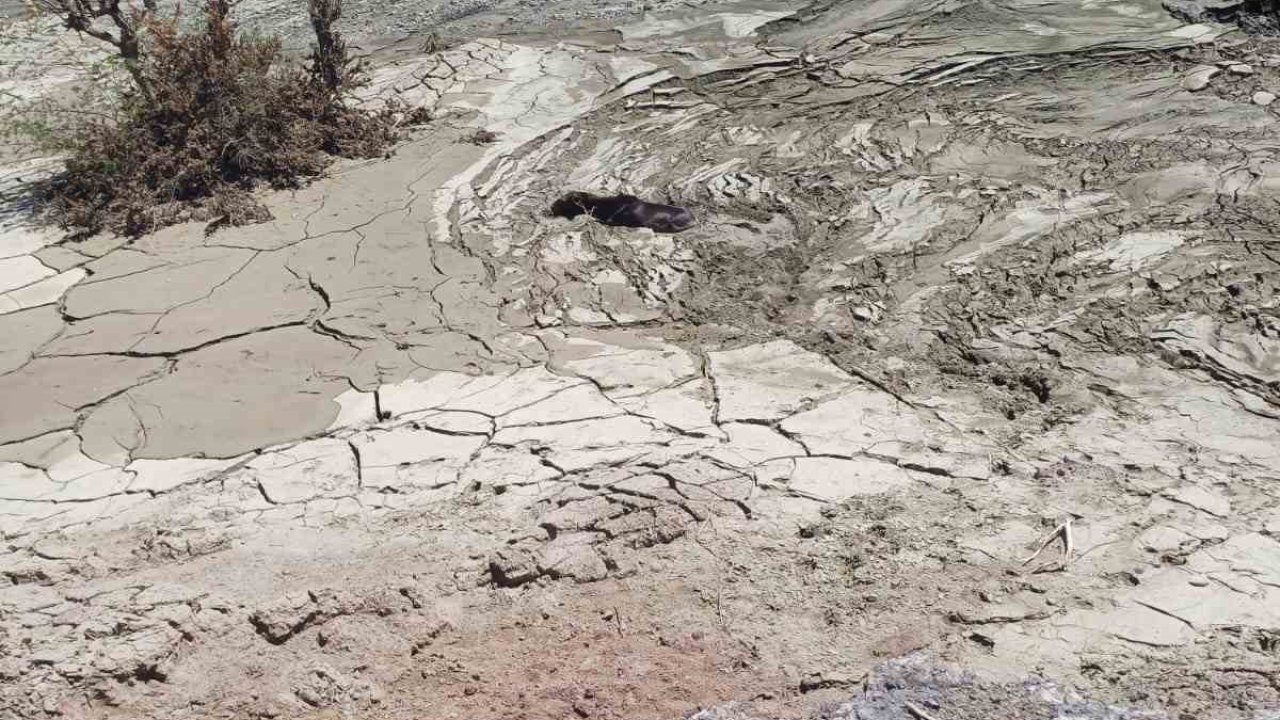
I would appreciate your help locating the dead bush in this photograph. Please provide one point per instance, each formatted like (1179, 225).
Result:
(483, 137)
(434, 42)
(331, 64)
(216, 115)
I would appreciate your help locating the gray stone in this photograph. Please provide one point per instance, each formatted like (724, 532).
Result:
(1199, 77)
(512, 567)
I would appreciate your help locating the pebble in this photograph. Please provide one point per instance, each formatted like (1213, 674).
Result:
(1240, 69)
(1198, 79)
(1263, 98)
(1198, 582)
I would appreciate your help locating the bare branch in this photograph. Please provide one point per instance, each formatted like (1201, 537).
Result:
(330, 63)
(84, 16)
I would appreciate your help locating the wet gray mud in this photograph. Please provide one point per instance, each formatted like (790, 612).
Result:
(972, 358)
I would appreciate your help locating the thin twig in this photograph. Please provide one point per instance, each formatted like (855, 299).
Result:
(917, 711)
(1068, 544)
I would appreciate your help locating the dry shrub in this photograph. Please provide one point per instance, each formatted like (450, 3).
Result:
(220, 114)
(483, 137)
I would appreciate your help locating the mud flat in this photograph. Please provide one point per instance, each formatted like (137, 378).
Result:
(965, 274)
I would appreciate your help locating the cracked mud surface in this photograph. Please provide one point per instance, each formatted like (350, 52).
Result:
(963, 271)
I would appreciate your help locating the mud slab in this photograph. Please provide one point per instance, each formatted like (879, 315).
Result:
(967, 276)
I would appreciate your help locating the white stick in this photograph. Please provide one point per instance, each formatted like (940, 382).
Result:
(917, 711)
(1062, 531)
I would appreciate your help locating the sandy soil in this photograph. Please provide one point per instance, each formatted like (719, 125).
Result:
(967, 277)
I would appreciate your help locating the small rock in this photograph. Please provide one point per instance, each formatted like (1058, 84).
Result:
(1198, 78)
(511, 567)
(1198, 582)
(1263, 98)
(1240, 69)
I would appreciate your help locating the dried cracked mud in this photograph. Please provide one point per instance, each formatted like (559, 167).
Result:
(965, 272)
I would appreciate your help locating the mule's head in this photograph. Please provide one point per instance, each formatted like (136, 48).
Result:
(670, 219)
(572, 205)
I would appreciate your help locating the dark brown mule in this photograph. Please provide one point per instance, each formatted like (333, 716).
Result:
(624, 211)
